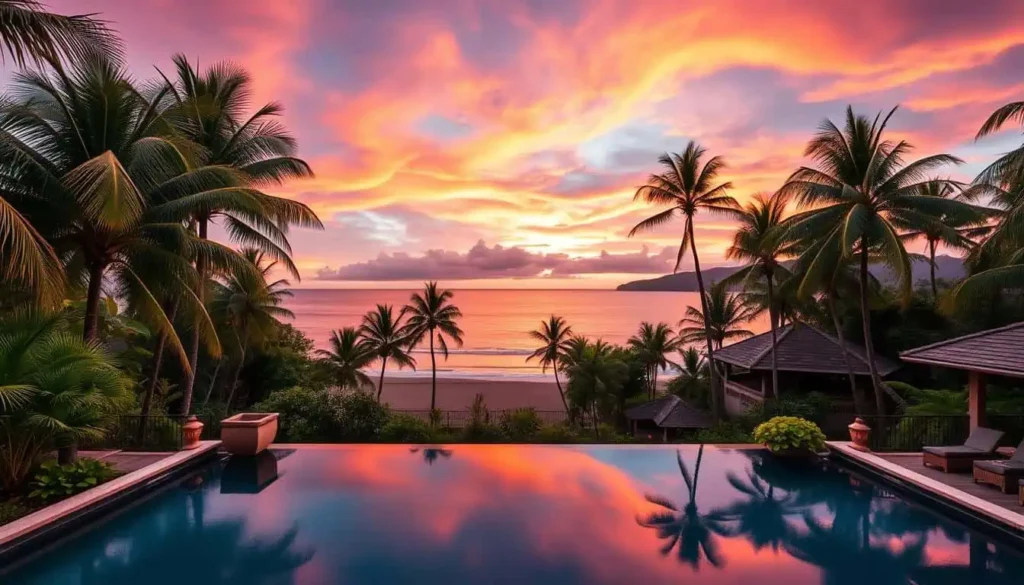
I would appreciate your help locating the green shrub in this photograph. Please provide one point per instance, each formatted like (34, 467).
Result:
(813, 407)
(724, 433)
(307, 416)
(11, 510)
(521, 424)
(607, 433)
(790, 432)
(483, 433)
(403, 428)
(362, 417)
(56, 482)
(558, 434)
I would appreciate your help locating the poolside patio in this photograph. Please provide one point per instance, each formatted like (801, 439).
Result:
(960, 481)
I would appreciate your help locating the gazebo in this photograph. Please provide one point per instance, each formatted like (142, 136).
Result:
(808, 360)
(665, 416)
(995, 352)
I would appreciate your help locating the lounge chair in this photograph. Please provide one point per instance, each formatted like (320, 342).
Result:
(1004, 474)
(980, 445)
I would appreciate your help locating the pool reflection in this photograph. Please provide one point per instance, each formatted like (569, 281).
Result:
(530, 514)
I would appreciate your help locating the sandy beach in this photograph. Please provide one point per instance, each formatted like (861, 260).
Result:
(457, 393)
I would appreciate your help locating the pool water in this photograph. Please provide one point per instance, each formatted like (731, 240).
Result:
(392, 514)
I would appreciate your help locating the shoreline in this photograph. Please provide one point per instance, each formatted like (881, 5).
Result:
(457, 393)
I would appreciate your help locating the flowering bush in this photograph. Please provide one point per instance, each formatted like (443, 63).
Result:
(786, 433)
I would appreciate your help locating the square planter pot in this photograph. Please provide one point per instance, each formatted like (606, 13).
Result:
(248, 433)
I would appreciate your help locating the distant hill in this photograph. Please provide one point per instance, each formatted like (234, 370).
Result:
(947, 268)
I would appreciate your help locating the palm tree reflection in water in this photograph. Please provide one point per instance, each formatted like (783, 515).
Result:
(432, 454)
(691, 533)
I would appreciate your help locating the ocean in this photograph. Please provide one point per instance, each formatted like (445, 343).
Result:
(496, 323)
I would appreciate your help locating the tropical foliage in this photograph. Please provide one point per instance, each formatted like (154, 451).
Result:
(433, 316)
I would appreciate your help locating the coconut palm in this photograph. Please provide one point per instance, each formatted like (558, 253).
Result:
(251, 306)
(95, 168)
(957, 232)
(652, 343)
(55, 389)
(688, 531)
(691, 381)
(858, 195)
(432, 315)
(762, 243)
(686, 185)
(30, 34)
(348, 355)
(998, 263)
(727, 313)
(554, 334)
(1009, 168)
(209, 108)
(595, 376)
(388, 338)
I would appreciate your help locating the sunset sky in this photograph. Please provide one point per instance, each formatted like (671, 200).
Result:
(498, 143)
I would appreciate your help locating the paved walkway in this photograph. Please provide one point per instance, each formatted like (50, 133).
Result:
(961, 481)
(124, 461)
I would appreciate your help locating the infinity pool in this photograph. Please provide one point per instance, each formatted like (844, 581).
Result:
(522, 514)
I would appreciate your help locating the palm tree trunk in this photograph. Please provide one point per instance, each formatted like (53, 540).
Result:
(716, 408)
(561, 394)
(92, 302)
(433, 376)
(859, 401)
(234, 380)
(158, 358)
(931, 266)
(193, 353)
(380, 386)
(213, 382)
(775, 339)
(869, 344)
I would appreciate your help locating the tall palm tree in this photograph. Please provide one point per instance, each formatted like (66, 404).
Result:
(595, 377)
(389, 339)
(957, 232)
(726, 314)
(686, 529)
(30, 34)
(95, 166)
(858, 195)
(686, 185)
(1009, 168)
(432, 315)
(554, 334)
(209, 108)
(651, 344)
(998, 263)
(762, 243)
(348, 355)
(251, 305)
(691, 379)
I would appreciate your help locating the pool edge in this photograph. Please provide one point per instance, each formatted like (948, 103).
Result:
(947, 498)
(51, 521)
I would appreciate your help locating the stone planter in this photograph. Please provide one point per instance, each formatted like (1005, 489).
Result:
(859, 434)
(190, 432)
(248, 433)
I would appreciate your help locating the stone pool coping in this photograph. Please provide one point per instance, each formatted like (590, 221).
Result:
(11, 533)
(934, 487)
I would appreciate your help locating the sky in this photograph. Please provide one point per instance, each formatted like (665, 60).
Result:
(492, 143)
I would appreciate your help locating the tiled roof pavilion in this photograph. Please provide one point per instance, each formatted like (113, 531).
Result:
(997, 352)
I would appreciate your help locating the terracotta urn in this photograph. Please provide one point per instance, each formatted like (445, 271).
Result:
(191, 431)
(859, 433)
(248, 433)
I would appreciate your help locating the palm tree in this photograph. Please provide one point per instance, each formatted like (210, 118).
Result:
(955, 231)
(30, 34)
(554, 334)
(691, 533)
(388, 338)
(651, 344)
(686, 186)
(55, 389)
(432, 315)
(348, 355)
(251, 306)
(727, 312)
(859, 194)
(95, 167)
(595, 377)
(1009, 168)
(208, 109)
(691, 379)
(998, 263)
(761, 243)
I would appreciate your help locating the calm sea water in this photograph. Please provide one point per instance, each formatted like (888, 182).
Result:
(515, 514)
(497, 322)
